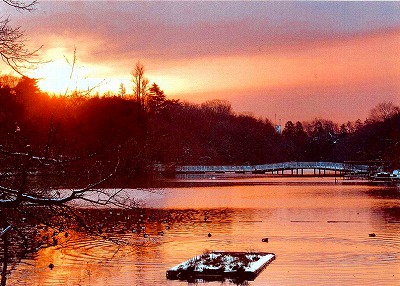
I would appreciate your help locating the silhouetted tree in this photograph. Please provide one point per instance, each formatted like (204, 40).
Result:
(358, 125)
(217, 107)
(140, 86)
(289, 129)
(13, 48)
(156, 99)
(122, 90)
(294, 141)
(343, 131)
(8, 80)
(383, 111)
(322, 136)
(10, 110)
(33, 169)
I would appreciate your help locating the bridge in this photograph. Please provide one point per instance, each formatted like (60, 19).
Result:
(296, 168)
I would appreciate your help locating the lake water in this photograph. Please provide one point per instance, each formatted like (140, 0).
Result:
(319, 232)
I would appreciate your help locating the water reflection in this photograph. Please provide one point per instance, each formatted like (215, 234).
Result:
(318, 232)
(385, 193)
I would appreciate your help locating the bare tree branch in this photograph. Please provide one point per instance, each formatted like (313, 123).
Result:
(20, 198)
(13, 49)
(383, 111)
(21, 5)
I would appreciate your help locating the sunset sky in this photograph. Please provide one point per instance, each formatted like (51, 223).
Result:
(298, 60)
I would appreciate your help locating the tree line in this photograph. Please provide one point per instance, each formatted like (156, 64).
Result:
(55, 149)
(147, 128)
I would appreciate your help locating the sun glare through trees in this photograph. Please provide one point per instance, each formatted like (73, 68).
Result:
(123, 122)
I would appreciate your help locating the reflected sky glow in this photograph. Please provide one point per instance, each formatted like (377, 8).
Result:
(320, 234)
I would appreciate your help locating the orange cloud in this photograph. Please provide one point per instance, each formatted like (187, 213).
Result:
(342, 79)
(275, 54)
(343, 62)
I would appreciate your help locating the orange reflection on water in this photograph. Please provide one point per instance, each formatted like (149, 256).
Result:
(320, 234)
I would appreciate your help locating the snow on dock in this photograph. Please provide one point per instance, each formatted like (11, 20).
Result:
(220, 265)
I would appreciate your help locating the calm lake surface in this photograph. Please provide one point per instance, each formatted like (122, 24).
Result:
(319, 232)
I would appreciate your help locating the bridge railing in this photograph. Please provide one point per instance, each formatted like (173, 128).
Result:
(273, 167)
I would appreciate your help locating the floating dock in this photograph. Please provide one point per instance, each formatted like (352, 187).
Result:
(220, 265)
